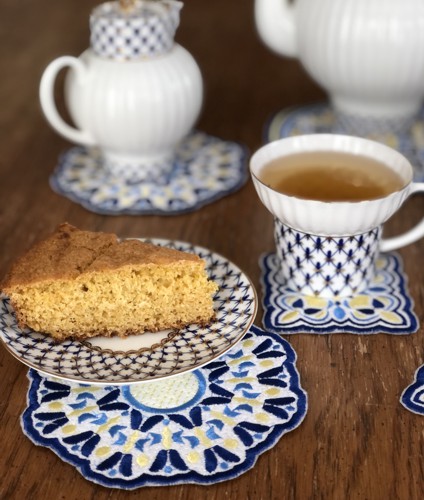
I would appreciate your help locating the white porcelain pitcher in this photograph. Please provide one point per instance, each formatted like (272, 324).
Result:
(134, 93)
(367, 54)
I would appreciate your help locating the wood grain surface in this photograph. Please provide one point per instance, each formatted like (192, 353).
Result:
(357, 441)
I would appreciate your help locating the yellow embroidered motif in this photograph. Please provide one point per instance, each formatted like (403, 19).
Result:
(57, 405)
(359, 301)
(240, 360)
(92, 388)
(104, 450)
(315, 302)
(193, 457)
(109, 424)
(262, 418)
(391, 317)
(200, 434)
(132, 439)
(266, 362)
(273, 391)
(232, 444)
(245, 379)
(76, 413)
(320, 314)
(249, 401)
(167, 438)
(220, 416)
(290, 316)
(142, 460)
(68, 429)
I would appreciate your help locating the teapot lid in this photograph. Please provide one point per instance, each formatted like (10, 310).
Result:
(141, 30)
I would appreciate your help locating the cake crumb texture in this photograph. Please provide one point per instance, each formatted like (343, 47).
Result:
(81, 284)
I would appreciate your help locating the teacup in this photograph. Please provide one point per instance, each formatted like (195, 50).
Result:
(329, 248)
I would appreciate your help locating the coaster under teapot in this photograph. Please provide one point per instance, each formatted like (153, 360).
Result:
(205, 169)
(367, 56)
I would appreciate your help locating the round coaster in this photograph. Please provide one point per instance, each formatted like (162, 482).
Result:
(204, 170)
(202, 427)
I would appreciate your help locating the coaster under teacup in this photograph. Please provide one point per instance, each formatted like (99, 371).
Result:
(203, 427)
(205, 169)
(384, 307)
(320, 118)
(413, 396)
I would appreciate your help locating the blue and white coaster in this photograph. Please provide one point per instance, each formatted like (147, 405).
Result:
(205, 169)
(320, 118)
(203, 427)
(385, 307)
(413, 396)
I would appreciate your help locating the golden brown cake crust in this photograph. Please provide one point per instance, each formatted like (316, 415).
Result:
(63, 254)
(138, 252)
(69, 251)
(80, 284)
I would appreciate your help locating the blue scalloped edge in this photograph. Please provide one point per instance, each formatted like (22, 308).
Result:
(342, 327)
(253, 454)
(407, 397)
(243, 177)
(287, 112)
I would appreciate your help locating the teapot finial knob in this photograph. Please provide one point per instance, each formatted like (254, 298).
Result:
(134, 29)
(126, 4)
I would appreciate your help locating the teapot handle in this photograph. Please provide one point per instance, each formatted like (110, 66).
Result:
(47, 99)
(414, 234)
(276, 25)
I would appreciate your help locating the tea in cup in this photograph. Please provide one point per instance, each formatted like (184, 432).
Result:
(330, 195)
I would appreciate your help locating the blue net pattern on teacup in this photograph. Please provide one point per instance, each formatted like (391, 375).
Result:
(319, 265)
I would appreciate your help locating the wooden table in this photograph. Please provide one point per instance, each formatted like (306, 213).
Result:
(356, 441)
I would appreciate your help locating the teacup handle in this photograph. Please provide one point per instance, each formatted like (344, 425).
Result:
(414, 234)
(47, 99)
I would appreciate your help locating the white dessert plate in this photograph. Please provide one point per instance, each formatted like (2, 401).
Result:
(146, 357)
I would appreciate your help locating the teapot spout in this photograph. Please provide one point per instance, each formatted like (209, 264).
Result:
(276, 25)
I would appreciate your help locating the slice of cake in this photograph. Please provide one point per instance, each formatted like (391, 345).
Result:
(82, 284)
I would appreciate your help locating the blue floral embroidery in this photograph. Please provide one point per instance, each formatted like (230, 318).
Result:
(413, 396)
(251, 398)
(385, 307)
(205, 169)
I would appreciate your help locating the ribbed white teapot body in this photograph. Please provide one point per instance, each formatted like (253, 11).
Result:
(367, 54)
(139, 108)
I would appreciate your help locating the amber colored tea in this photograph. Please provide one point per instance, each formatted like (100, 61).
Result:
(331, 176)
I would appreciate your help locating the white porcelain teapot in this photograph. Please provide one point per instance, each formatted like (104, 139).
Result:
(367, 54)
(134, 93)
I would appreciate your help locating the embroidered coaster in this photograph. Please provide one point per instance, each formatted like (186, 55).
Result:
(320, 118)
(205, 169)
(203, 427)
(385, 307)
(413, 396)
